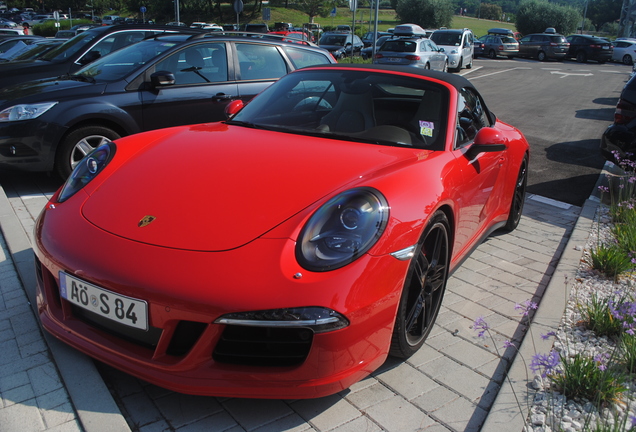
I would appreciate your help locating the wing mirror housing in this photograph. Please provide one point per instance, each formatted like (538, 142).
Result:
(162, 79)
(233, 107)
(487, 140)
(90, 57)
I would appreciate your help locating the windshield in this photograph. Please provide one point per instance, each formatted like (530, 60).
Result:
(334, 40)
(353, 105)
(121, 63)
(70, 47)
(399, 46)
(443, 38)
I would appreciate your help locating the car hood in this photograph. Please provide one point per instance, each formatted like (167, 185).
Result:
(46, 89)
(217, 187)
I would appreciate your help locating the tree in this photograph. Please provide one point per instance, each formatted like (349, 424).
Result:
(313, 8)
(426, 13)
(534, 16)
(490, 11)
(603, 11)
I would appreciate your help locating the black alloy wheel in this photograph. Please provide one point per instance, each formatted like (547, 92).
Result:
(423, 289)
(541, 56)
(518, 197)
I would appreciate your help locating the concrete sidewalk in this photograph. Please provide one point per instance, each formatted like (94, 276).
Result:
(455, 382)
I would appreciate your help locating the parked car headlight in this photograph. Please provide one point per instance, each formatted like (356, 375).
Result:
(342, 230)
(25, 111)
(86, 170)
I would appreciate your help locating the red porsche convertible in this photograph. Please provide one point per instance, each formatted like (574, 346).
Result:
(286, 252)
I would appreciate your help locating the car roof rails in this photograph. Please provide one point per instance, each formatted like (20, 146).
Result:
(253, 35)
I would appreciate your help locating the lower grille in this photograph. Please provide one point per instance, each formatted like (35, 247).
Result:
(263, 346)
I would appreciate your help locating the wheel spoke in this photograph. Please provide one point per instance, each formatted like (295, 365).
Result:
(84, 148)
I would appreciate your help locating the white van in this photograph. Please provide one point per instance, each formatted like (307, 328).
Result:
(458, 45)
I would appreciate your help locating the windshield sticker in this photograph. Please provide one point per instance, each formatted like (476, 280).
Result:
(426, 128)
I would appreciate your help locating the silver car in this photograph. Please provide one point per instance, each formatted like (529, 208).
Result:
(418, 52)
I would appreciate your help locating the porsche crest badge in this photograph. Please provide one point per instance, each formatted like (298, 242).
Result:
(145, 221)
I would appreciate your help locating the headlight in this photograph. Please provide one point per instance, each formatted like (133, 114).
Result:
(87, 169)
(25, 111)
(342, 230)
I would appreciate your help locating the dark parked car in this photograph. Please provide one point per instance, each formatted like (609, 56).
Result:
(341, 44)
(79, 51)
(8, 42)
(369, 37)
(478, 47)
(619, 139)
(587, 47)
(168, 80)
(23, 51)
(367, 52)
(543, 46)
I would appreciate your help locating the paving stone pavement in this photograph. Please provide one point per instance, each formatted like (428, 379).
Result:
(452, 384)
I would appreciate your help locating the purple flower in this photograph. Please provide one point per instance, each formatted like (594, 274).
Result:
(508, 344)
(481, 326)
(603, 188)
(525, 307)
(548, 335)
(601, 360)
(545, 363)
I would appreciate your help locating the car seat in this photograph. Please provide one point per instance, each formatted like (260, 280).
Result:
(353, 112)
(426, 120)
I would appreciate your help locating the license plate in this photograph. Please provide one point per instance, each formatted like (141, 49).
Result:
(395, 59)
(124, 310)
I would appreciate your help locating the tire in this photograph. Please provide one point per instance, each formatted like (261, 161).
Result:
(445, 69)
(518, 197)
(581, 57)
(77, 144)
(459, 66)
(427, 66)
(492, 54)
(627, 59)
(541, 56)
(423, 290)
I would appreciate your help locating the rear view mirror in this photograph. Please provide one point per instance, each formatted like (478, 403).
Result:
(487, 140)
(233, 107)
(162, 79)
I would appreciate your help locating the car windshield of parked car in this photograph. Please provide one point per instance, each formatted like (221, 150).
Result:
(353, 105)
(68, 48)
(121, 63)
(508, 39)
(334, 40)
(452, 39)
(399, 46)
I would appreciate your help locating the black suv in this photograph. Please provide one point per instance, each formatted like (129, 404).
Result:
(587, 47)
(165, 80)
(79, 51)
(544, 46)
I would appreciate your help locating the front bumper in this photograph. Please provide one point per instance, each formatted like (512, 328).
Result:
(29, 145)
(187, 291)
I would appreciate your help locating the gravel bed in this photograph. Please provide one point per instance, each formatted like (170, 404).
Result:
(550, 410)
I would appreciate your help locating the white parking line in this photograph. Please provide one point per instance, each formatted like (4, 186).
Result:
(504, 70)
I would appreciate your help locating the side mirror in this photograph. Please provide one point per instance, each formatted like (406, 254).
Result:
(442, 50)
(233, 107)
(162, 79)
(90, 57)
(487, 140)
